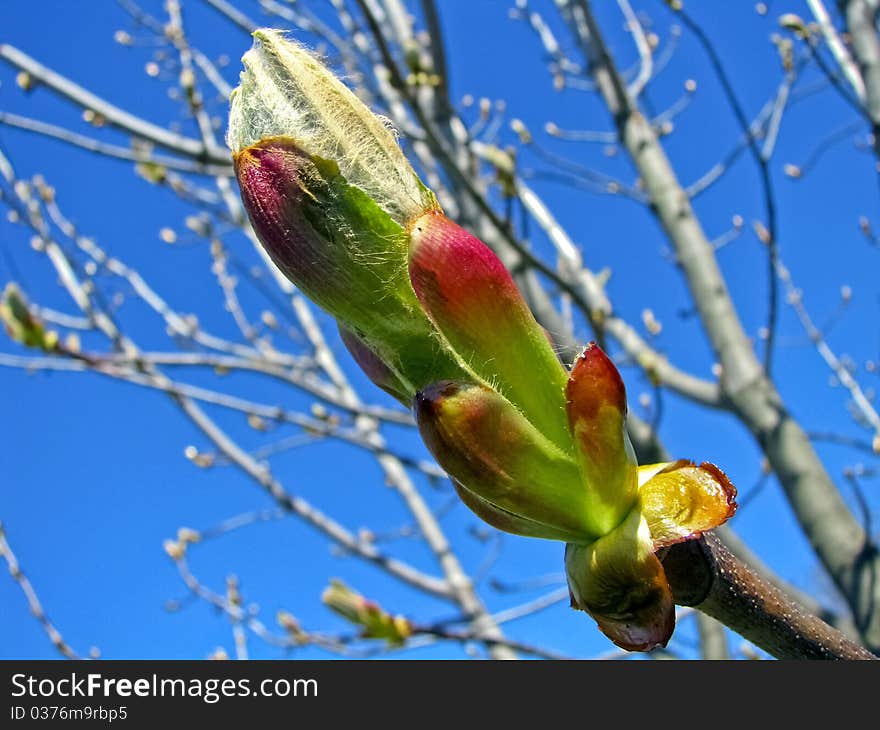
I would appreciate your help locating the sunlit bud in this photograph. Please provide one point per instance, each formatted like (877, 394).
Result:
(487, 444)
(794, 23)
(187, 535)
(330, 196)
(762, 232)
(21, 324)
(72, 343)
(291, 625)
(257, 423)
(286, 91)
(94, 118)
(287, 621)
(343, 252)
(233, 592)
(152, 172)
(519, 128)
(318, 411)
(198, 458)
(596, 408)
(652, 324)
(174, 549)
(187, 78)
(25, 81)
(471, 298)
(375, 622)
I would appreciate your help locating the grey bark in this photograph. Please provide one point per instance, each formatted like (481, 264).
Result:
(839, 540)
(713, 640)
(861, 24)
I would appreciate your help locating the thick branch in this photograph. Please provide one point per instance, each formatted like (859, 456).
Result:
(837, 537)
(762, 160)
(861, 24)
(705, 575)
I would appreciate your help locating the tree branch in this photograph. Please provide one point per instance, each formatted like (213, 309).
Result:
(837, 47)
(705, 575)
(861, 24)
(33, 601)
(113, 115)
(769, 195)
(713, 642)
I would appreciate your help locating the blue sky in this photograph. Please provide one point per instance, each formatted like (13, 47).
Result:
(92, 472)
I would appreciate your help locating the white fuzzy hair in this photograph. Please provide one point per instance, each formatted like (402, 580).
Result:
(287, 91)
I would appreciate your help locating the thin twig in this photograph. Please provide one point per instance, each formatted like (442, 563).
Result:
(33, 601)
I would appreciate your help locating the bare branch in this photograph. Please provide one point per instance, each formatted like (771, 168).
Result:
(113, 115)
(33, 601)
(795, 298)
(835, 534)
(234, 15)
(861, 23)
(142, 156)
(704, 574)
(713, 642)
(646, 59)
(838, 48)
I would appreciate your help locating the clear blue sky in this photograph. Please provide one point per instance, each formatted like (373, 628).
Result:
(92, 472)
